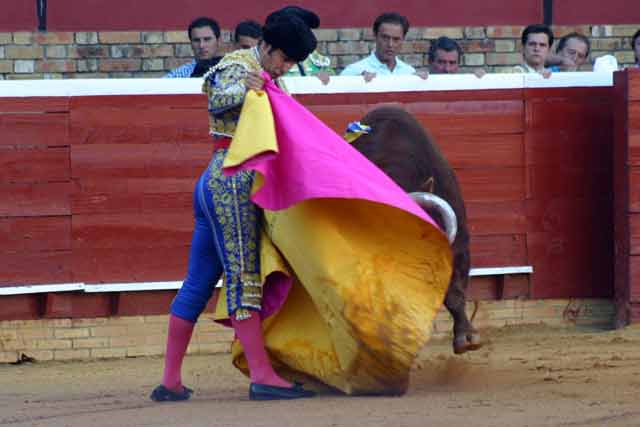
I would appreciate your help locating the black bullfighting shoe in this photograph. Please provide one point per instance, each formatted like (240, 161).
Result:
(163, 394)
(270, 392)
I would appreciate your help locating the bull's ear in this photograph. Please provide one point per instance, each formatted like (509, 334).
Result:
(429, 185)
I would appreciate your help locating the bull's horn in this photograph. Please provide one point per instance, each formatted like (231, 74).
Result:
(431, 201)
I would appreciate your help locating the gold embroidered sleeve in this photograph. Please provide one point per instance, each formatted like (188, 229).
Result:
(227, 88)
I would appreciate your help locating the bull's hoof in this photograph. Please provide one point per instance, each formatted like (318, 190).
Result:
(466, 341)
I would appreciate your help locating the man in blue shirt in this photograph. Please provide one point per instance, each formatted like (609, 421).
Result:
(389, 30)
(204, 34)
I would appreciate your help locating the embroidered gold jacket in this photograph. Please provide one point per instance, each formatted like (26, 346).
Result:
(225, 87)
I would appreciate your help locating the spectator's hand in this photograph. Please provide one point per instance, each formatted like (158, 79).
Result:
(424, 75)
(368, 76)
(567, 64)
(479, 73)
(254, 80)
(324, 77)
(546, 74)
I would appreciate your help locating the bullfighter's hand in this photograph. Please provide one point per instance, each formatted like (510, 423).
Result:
(254, 81)
(424, 75)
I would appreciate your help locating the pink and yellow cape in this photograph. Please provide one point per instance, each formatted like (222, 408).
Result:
(354, 270)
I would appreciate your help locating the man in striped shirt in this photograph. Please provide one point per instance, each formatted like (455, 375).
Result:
(204, 34)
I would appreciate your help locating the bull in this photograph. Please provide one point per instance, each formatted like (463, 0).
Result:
(401, 147)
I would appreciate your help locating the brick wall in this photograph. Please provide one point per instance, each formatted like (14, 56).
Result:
(26, 55)
(113, 337)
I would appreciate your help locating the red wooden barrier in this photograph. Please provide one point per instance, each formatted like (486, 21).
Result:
(110, 197)
(626, 171)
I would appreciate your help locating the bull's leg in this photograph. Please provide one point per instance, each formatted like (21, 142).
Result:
(465, 337)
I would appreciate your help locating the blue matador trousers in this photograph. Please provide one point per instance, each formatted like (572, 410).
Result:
(225, 240)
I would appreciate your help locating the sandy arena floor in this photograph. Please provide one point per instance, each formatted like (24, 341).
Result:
(534, 376)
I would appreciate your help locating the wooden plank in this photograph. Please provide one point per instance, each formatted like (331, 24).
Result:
(633, 184)
(139, 160)
(34, 129)
(589, 149)
(481, 289)
(144, 303)
(134, 203)
(496, 218)
(482, 151)
(632, 117)
(141, 120)
(498, 250)
(36, 267)
(35, 234)
(140, 102)
(634, 84)
(41, 199)
(337, 117)
(574, 214)
(492, 184)
(440, 118)
(469, 117)
(634, 279)
(634, 235)
(490, 288)
(373, 99)
(129, 231)
(568, 181)
(516, 286)
(74, 305)
(570, 265)
(113, 265)
(21, 307)
(113, 185)
(34, 104)
(30, 165)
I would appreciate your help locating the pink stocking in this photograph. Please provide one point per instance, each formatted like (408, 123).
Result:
(178, 338)
(249, 332)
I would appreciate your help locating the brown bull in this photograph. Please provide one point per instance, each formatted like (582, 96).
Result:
(399, 146)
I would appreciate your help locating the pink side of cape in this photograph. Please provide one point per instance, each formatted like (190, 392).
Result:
(315, 162)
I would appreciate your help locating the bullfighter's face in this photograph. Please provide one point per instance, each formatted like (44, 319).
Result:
(388, 42)
(274, 61)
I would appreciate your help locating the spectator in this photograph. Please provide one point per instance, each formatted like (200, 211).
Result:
(635, 46)
(389, 30)
(536, 41)
(247, 34)
(572, 53)
(444, 56)
(204, 34)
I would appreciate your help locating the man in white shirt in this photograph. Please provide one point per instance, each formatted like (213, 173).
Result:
(389, 30)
